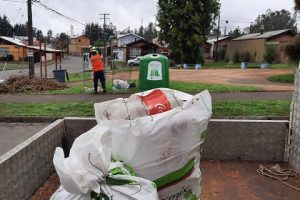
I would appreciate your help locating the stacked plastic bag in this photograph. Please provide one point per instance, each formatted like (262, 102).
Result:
(144, 147)
(120, 84)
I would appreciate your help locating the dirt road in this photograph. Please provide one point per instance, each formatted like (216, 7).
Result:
(246, 77)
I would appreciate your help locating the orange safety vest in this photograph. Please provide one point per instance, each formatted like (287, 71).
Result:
(97, 64)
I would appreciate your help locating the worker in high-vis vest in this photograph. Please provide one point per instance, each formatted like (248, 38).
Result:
(98, 70)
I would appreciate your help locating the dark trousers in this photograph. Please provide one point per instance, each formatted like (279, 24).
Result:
(99, 75)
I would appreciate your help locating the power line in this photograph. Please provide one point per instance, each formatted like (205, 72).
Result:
(104, 18)
(45, 6)
(17, 31)
(13, 21)
(5, 8)
(14, 1)
(104, 30)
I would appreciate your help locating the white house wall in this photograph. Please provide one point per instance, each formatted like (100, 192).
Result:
(49, 56)
(122, 41)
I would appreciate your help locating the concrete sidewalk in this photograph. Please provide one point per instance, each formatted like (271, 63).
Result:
(24, 98)
(12, 134)
(72, 64)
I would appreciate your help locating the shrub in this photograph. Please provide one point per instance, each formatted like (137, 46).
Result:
(270, 53)
(247, 56)
(293, 50)
(227, 59)
(171, 63)
(200, 59)
(10, 57)
(236, 57)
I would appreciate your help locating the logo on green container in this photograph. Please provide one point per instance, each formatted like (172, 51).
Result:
(154, 71)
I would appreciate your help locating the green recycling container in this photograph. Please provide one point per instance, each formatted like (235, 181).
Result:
(154, 72)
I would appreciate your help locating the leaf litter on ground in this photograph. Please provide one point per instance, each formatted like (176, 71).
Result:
(25, 84)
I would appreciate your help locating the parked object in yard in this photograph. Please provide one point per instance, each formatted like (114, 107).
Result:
(264, 65)
(120, 84)
(135, 61)
(244, 65)
(60, 75)
(195, 66)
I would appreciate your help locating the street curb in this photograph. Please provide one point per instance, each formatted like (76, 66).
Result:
(29, 119)
(42, 119)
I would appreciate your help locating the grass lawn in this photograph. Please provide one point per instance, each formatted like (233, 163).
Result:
(268, 108)
(282, 78)
(46, 109)
(80, 76)
(198, 87)
(177, 85)
(13, 65)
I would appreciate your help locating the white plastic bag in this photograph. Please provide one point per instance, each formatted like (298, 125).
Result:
(120, 84)
(89, 168)
(165, 148)
(78, 173)
(139, 104)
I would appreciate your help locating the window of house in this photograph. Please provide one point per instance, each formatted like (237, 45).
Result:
(3, 52)
(134, 52)
(79, 40)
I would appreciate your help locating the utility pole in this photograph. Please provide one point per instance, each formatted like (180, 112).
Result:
(104, 32)
(218, 34)
(30, 40)
(217, 51)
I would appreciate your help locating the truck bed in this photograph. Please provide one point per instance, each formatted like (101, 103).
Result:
(228, 180)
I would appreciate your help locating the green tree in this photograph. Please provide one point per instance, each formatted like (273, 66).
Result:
(150, 32)
(20, 29)
(141, 31)
(64, 40)
(214, 32)
(39, 35)
(98, 43)
(95, 32)
(185, 25)
(293, 50)
(276, 20)
(49, 36)
(6, 28)
(297, 4)
(235, 33)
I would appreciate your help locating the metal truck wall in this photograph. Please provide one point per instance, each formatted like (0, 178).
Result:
(294, 153)
(26, 167)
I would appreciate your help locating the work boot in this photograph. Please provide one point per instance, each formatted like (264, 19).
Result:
(104, 91)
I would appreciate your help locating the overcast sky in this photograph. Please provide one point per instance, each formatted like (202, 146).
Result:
(125, 13)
